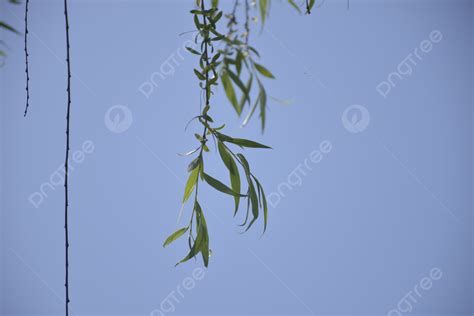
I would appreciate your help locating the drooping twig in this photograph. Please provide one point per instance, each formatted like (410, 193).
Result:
(66, 163)
(247, 22)
(26, 59)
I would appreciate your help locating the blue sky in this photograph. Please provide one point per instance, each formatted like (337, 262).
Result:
(371, 191)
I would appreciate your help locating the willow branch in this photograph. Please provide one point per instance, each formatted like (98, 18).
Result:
(66, 163)
(26, 59)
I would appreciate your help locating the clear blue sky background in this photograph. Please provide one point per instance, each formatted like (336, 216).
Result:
(380, 210)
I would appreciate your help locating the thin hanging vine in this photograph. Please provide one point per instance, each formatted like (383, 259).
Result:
(66, 162)
(26, 59)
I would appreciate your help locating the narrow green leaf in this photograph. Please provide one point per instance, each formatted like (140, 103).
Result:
(196, 22)
(311, 5)
(248, 143)
(8, 27)
(193, 177)
(238, 62)
(204, 244)
(264, 71)
(193, 51)
(175, 235)
(263, 10)
(199, 75)
(194, 164)
(198, 137)
(230, 92)
(251, 193)
(263, 105)
(252, 110)
(241, 142)
(246, 97)
(216, 184)
(239, 84)
(233, 172)
(217, 17)
(294, 5)
(264, 202)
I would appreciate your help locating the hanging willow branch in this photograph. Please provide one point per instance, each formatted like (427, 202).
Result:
(26, 59)
(66, 162)
(208, 37)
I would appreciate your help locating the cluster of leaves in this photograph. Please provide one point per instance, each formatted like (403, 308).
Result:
(210, 59)
(9, 28)
(240, 70)
(239, 64)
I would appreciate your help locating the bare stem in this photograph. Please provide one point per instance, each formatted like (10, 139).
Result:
(26, 59)
(66, 163)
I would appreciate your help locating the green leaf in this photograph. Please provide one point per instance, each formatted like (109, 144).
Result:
(199, 75)
(251, 193)
(240, 84)
(207, 118)
(264, 71)
(253, 199)
(249, 143)
(193, 177)
(311, 5)
(196, 22)
(252, 110)
(194, 250)
(194, 164)
(216, 184)
(193, 51)
(215, 3)
(216, 57)
(230, 92)
(8, 27)
(198, 137)
(229, 162)
(264, 202)
(263, 105)
(263, 10)
(217, 17)
(197, 12)
(204, 244)
(294, 5)
(241, 142)
(175, 235)
(238, 62)
(246, 97)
